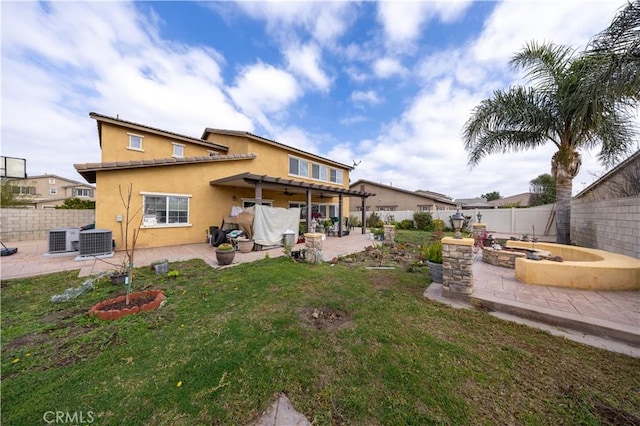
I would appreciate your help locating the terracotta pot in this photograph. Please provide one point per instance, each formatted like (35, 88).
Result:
(245, 246)
(113, 314)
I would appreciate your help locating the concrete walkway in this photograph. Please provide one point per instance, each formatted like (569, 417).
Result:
(32, 260)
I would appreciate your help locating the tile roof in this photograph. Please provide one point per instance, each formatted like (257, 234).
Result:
(88, 170)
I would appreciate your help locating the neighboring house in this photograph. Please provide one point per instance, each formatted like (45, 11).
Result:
(619, 182)
(473, 203)
(391, 198)
(184, 185)
(518, 200)
(48, 191)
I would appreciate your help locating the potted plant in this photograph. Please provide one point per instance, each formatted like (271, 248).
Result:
(225, 253)
(433, 255)
(119, 275)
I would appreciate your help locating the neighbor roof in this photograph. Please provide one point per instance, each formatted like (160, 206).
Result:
(432, 196)
(46, 175)
(608, 175)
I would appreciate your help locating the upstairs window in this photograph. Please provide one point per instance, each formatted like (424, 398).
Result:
(178, 150)
(52, 181)
(53, 191)
(335, 176)
(319, 172)
(135, 142)
(298, 167)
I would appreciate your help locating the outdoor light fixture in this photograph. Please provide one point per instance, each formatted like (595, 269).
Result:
(479, 216)
(458, 220)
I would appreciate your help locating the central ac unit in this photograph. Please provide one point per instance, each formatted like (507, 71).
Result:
(96, 242)
(62, 240)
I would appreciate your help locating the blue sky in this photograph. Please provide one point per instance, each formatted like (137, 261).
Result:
(386, 84)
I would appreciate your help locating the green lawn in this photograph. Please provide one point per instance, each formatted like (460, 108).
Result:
(378, 353)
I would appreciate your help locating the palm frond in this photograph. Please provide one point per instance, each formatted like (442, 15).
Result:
(545, 64)
(517, 120)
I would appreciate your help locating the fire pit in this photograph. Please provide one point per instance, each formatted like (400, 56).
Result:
(506, 256)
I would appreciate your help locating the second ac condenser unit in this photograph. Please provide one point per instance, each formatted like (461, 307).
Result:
(96, 242)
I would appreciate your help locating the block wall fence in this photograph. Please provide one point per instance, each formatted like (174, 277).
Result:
(611, 225)
(31, 224)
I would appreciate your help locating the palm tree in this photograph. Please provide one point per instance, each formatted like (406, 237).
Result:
(557, 108)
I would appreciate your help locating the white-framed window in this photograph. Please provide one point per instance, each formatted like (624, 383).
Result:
(335, 175)
(83, 192)
(178, 150)
(135, 142)
(23, 190)
(325, 211)
(52, 181)
(165, 210)
(298, 167)
(53, 190)
(213, 153)
(250, 202)
(318, 171)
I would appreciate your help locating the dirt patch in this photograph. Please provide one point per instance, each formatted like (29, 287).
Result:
(401, 256)
(324, 318)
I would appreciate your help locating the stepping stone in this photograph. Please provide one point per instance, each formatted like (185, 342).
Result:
(282, 413)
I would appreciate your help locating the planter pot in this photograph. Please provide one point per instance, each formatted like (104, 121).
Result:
(118, 278)
(435, 269)
(112, 309)
(225, 257)
(160, 267)
(245, 246)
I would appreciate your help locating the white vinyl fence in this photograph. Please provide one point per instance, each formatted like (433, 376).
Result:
(538, 220)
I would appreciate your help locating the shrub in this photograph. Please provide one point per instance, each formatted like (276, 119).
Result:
(423, 220)
(406, 224)
(373, 221)
(438, 225)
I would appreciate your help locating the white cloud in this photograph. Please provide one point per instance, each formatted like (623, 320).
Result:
(353, 119)
(514, 23)
(369, 97)
(325, 21)
(387, 67)
(402, 22)
(261, 90)
(305, 61)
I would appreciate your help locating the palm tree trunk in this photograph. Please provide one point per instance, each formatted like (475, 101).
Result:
(565, 165)
(563, 211)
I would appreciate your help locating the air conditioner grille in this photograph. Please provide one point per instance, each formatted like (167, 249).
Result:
(57, 240)
(95, 242)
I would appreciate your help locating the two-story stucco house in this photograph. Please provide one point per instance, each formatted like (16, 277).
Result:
(48, 191)
(188, 184)
(392, 198)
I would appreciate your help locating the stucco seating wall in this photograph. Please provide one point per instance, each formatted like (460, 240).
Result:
(582, 268)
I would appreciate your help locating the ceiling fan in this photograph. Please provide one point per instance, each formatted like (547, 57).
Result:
(286, 192)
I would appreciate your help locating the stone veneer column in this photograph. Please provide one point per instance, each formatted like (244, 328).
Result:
(389, 234)
(478, 229)
(457, 263)
(313, 247)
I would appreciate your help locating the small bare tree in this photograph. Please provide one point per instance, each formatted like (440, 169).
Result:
(129, 249)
